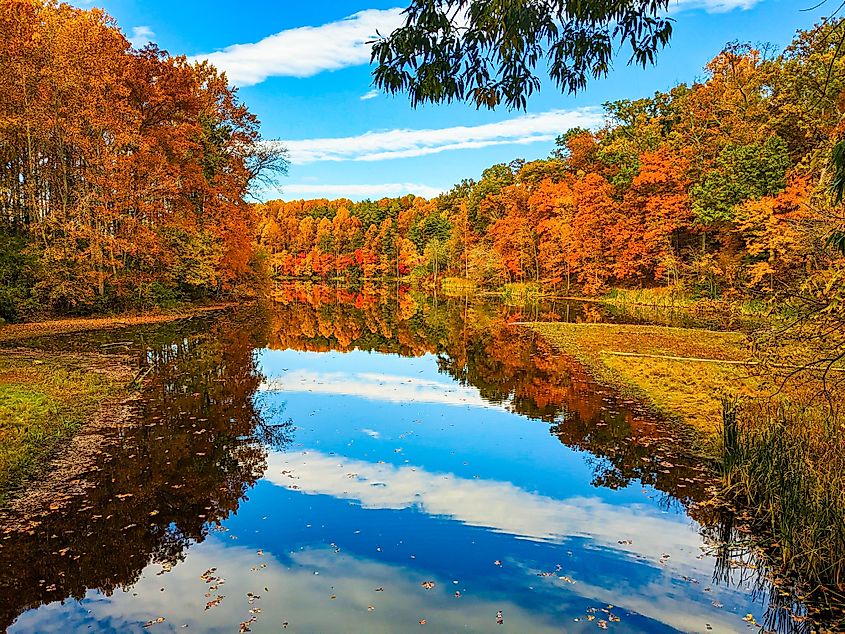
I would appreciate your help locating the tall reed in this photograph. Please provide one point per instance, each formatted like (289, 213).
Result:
(784, 465)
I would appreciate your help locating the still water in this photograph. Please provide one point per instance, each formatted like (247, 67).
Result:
(370, 461)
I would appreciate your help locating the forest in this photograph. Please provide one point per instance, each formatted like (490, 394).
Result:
(124, 173)
(529, 300)
(127, 174)
(720, 188)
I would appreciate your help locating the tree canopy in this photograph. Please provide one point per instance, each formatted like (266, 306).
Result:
(487, 52)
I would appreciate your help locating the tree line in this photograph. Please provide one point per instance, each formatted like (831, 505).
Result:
(721, 186)
(123, 172)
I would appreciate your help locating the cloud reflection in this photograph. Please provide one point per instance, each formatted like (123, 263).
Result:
(498, 506)
(378, 387)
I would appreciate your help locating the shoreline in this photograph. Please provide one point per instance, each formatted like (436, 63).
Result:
(47, 400)
(32, 329)
(663, 367)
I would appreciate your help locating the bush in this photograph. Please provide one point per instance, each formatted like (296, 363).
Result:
(17, 270)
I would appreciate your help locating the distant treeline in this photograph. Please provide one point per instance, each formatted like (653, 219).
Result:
(720, 186)
(122, 172)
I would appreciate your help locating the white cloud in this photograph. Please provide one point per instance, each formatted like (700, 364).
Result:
(711, 6)
(404, 143)
(372, 94)
(307, 50)
(359, 191)
(141, 36)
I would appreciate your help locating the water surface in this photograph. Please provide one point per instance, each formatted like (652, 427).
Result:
(371, 461)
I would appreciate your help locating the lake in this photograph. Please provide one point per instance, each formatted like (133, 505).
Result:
(372, 460)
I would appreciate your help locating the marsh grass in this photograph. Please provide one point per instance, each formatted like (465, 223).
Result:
(43, 401)
(457, 286)
(673, 297)
(518, 293)
(786, 463)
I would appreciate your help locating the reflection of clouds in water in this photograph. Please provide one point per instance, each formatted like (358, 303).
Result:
(294, 594)
(505, 508)
(377, 387)
(499, 506)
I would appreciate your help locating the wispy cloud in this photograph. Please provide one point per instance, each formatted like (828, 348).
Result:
(305, 51)
(372, 94)
(358, 191)
(405, 143)
(496, 505)
(141, 36)
(711, 6)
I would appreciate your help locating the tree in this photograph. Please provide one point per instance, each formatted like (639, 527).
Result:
(486, 53)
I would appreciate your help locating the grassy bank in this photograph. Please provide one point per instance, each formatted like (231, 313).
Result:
(45, 398)
(680, 373)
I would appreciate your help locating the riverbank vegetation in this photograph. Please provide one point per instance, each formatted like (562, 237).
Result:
(43, 399)
(123, 172)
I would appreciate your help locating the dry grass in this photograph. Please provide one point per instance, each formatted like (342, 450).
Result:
(687, 390)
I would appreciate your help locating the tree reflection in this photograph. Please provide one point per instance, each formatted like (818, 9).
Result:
(476, 345)
(156, 483)
(199, 440)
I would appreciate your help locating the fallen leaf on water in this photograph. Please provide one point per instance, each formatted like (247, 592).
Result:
(214, 602)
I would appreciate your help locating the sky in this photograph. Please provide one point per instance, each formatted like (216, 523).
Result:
(303, 69)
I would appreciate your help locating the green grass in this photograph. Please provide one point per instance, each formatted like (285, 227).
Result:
(519, 293)
(42, 402)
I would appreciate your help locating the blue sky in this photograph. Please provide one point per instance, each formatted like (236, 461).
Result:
(303, 69)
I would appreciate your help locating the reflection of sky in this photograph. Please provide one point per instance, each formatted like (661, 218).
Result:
(392, 481)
